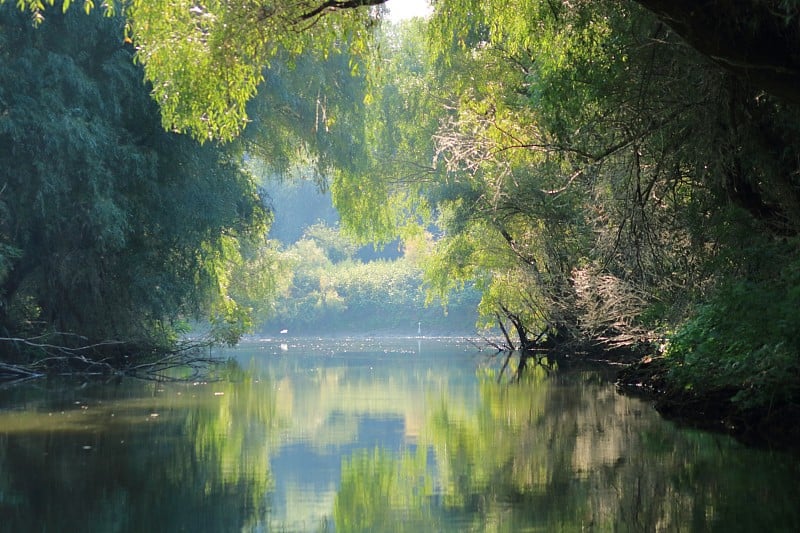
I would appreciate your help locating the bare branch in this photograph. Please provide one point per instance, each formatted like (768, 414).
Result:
(86, 359)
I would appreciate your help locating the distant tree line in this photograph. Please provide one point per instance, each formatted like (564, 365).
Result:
(325, 289)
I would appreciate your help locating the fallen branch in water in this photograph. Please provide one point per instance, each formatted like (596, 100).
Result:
(143, 360)
(58, 348)
(16, 373)
(499, 347)
(191, 355)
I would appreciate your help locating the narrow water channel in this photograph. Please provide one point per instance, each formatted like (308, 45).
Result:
(373, 435)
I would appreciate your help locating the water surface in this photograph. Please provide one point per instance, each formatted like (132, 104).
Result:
(373, 435)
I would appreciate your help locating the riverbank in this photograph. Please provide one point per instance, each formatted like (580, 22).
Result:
(774, 426)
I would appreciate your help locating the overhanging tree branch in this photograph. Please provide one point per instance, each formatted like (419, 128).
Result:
(336, 5)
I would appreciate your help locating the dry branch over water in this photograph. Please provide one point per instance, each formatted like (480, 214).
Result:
(47, 357)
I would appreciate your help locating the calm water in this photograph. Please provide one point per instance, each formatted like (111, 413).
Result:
(400, 435)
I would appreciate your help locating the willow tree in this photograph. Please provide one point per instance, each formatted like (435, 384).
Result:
(684, 170)
(111, 228)
(215, 52)
(583, 161)
(470, 134)
(205, 61)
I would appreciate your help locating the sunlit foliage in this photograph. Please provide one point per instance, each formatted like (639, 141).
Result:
(591, 167)
(205, 61)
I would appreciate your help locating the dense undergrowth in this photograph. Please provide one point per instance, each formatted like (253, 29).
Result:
(735, 363)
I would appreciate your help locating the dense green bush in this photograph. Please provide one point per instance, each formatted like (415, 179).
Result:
(746, 339)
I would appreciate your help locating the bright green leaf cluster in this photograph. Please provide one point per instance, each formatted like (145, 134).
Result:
(206, 61)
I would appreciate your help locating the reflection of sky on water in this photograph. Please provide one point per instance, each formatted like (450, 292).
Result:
(378, 398)
(307, 477)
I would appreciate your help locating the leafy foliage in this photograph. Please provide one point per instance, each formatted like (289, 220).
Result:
(205, 61)
(591, 173)
(746, 337)
(111, 228)
(596, 178)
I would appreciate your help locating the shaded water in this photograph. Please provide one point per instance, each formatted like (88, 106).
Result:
(391, 435)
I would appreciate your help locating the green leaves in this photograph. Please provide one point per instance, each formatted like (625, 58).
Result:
(37, 8)
(205, 63)
(117, 230)
(200, 82)
(744, 339)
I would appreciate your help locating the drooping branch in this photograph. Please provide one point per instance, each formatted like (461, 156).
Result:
(336, 5)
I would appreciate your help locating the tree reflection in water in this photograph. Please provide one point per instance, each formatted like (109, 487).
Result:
(179, 460)
(565, 453)
(366, 438)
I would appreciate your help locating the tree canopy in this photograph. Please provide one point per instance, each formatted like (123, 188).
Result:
(111, 229)
(599, 177)
(205, 61)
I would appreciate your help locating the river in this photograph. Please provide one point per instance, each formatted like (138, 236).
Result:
(373, 435)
